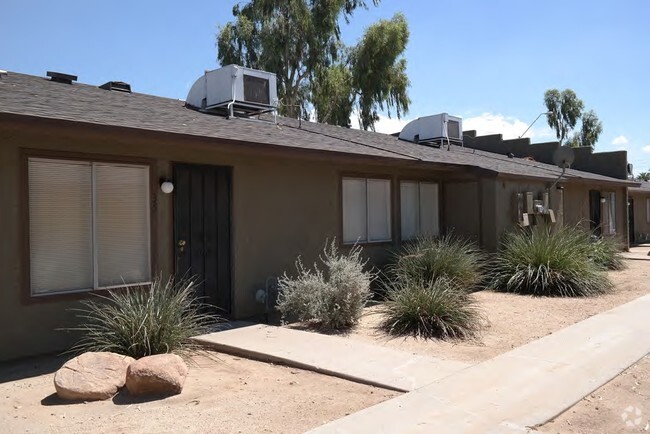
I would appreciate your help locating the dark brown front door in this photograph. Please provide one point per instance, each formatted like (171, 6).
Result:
(202, 197)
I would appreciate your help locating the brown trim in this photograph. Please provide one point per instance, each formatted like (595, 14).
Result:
(24, 154)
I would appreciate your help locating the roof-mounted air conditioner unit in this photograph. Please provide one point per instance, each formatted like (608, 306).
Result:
(434, 130)
(234, 90)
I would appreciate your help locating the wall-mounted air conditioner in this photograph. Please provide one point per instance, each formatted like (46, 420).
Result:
(434, 130)
(234, 90)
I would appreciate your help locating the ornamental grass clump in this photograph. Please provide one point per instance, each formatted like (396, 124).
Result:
(428, 259)
(144, 320)
(332, 298)
(606, 253)
(439, 308)
(547, 261)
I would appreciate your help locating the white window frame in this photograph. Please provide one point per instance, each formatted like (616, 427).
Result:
(366, 240)
(418, 212)
(96, 286)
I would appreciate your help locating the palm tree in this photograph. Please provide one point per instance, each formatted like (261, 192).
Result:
(643, 176)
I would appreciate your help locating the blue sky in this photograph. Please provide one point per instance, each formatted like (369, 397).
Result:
(487, 61)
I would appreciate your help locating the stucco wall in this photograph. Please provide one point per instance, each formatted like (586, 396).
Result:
(462, 209)
(506, 203)
(576, 203)
(641, 223)
(282, 207)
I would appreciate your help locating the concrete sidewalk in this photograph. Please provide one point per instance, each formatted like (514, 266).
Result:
(520, 389)
(345, 358)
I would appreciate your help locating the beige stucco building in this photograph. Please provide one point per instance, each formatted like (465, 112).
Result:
(81, 170)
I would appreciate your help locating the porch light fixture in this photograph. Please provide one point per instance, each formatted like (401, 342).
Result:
(603, 200)
(166, 186)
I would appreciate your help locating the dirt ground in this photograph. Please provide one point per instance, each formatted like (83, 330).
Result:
(620, 406)
(226, 394)
(222, 394)
(514, 320)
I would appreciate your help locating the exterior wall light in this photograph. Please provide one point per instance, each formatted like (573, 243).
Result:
(166, 187)
(603, 200)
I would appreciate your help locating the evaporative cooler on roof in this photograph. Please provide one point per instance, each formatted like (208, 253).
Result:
(234, 90)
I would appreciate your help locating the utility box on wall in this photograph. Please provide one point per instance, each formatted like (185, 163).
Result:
(531, 211)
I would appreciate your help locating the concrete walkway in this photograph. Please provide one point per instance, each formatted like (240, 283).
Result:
(639, 253)
(522, 388)
(345, 358)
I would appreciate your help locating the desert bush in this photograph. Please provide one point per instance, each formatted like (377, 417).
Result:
(428, 259)
(548, 262)
(332, 298)
(438, 308)
(606, 253)
(141, 321)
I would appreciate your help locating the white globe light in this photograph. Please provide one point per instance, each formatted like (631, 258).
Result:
(167, 187)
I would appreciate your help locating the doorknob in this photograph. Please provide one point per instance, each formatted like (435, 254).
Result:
(181, 245)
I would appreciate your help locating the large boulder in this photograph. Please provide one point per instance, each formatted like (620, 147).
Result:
(92, 376)
(161, 374)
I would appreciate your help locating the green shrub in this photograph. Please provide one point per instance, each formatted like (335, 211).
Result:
(548, 262)
(141, 321)
(435, 309)
(428, 259)
(606, 253)
(329, 299)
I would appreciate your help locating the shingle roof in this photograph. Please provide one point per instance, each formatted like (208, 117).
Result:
(643, 188)
(28, 95)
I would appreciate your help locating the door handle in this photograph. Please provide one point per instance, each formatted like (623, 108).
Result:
(181, 246)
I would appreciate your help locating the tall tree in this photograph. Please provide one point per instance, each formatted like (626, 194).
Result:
(300, 41)
(564, 111)
(589, 131)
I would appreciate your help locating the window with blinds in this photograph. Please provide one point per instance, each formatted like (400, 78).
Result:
(89, 225)
(366, 210)
(419, 210)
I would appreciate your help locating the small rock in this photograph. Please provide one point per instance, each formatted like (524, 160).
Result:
(161, 374)
(91, 376)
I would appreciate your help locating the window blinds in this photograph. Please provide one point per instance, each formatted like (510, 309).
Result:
(366, 210)
(419, 209)
(89, 225)
(122, 224)
(60, 226)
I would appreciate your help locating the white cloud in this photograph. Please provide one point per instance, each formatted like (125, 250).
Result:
(646, 148)
(384, 125)
(620, 141)
(510, 127)
(487, 123)
(388, 125)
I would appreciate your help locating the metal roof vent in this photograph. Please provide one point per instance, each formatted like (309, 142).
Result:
(60, 77)
(434, 130)
(118, 86)
(234, 91)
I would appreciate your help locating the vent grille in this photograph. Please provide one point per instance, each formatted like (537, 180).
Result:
(256, 89)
